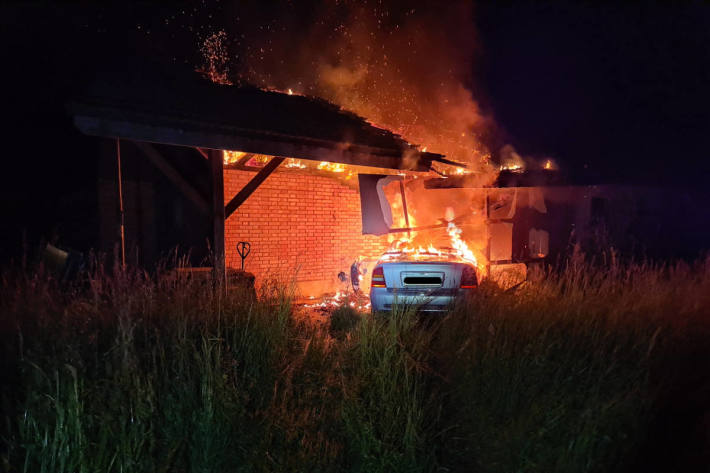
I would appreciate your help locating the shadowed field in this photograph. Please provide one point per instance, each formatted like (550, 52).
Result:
(589, 368)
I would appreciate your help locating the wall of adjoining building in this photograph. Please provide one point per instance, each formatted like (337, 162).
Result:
(301, 226)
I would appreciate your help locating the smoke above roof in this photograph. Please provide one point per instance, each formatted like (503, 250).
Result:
(402, 68)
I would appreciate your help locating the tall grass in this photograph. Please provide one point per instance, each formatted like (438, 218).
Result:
(129, 371)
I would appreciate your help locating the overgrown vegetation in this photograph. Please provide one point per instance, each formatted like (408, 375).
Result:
(574, 371)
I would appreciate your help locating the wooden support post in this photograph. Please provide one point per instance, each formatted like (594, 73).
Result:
(251, 186)
(120, 204)
(404, 207)
(218, 254)
(487, 203)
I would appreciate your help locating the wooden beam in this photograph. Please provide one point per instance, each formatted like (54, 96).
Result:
(417, 229)
(202, 152)
(460, 220)
(260, 143)
(173, 175)
(243, 160)
(240, 164)
(217, 174)
(449, 162)
(252, 185)
(404, 205)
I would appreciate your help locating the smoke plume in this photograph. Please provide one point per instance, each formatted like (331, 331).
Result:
(402, 68)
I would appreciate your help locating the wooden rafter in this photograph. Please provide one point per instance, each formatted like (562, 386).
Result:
(272, 144)
(252, 185)
(202, 152)
(173, 175)
(241, 163)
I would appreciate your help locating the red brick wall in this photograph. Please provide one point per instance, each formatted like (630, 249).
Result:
(298, 221)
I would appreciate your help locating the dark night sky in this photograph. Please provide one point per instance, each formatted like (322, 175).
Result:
(620, 89)
(614, 94)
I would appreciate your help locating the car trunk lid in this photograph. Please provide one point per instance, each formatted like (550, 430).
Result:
(420, 275)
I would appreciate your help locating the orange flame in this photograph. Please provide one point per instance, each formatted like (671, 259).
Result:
(295, 163)
(459, 245)
(332, 167)
(549, 165)
(231, 157)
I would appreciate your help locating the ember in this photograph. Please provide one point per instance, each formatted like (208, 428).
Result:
(327, 303)
(216, 66)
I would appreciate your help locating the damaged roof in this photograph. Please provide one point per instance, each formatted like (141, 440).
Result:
(187, 110)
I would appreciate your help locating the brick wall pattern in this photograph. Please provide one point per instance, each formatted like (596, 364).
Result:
(298, 223)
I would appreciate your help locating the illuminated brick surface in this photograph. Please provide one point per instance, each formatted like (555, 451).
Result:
(301, 222)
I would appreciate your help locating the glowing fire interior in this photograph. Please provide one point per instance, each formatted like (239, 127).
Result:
(258, 160)
(445, 241)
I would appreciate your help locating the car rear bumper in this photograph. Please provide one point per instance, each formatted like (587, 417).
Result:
(385, 299)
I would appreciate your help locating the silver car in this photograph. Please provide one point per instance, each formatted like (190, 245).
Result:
(431, 283)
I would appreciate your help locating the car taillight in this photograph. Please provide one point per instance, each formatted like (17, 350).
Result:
(378, 277)
(468, 278)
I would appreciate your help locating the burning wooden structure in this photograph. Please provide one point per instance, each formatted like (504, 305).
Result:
(181, 127)
(290, 187)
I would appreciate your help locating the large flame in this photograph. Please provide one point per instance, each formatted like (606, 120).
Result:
(442, 240)
(458, 248)
(461, 247)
